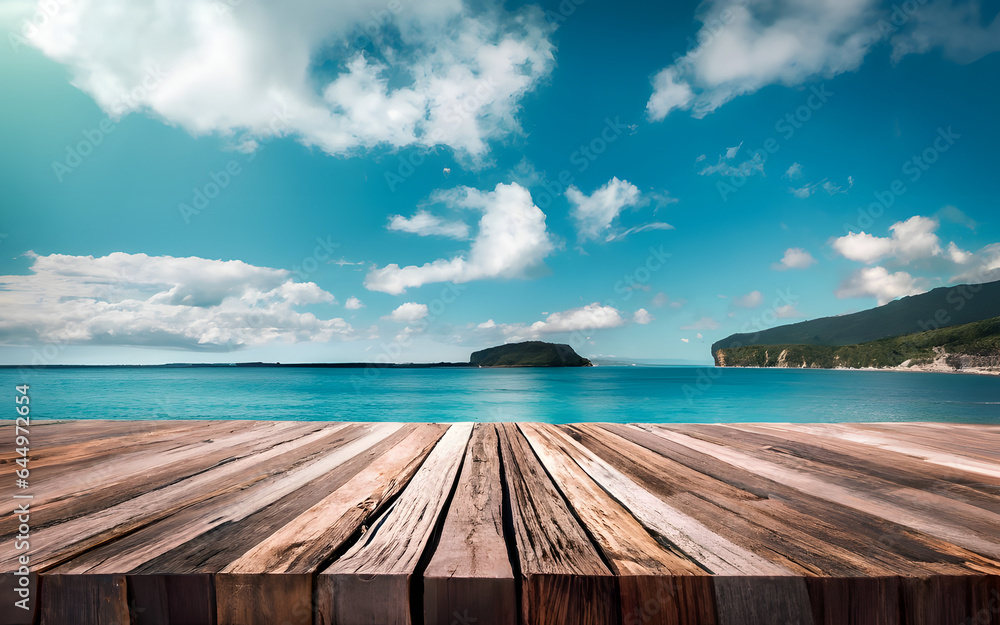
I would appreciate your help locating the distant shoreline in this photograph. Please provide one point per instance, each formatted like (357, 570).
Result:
(914, 369)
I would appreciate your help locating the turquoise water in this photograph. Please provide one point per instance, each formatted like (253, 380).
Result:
(621, 394)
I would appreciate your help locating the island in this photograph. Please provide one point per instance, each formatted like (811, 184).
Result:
(957, 330)
(529, 354)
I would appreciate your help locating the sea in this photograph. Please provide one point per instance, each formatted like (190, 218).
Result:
(621, 394)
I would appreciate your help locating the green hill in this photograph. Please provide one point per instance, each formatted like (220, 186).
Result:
(967, 346)
(529, 354)
(940, 308)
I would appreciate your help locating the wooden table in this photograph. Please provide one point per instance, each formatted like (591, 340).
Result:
(295, 523)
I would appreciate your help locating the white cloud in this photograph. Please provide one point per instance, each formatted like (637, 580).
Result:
(593, 316)
(660, 300)
(642, 317)
(134, 299)
(788, 311)
(794, 171)
(596, 214)
(794, 258)
(802, 192)
(957, 255)
(425, 224)
(705, 323)
(433, 73)
(753, 299)
(512, 239)
(744, 47)
(353, 303)
(984, 266)
(834, 189)
(685, 340)
(910, 240)
(724, 168)
(590, 317)
(731, 152)
(877, 282)
(698, 336)
(408, 312)
(956, 28)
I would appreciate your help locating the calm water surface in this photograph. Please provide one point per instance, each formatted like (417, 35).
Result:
(619, 394)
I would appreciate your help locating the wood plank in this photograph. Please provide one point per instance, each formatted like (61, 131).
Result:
(470, 573)
(564, 579)
(615, 471)
(63, 541)
(648, 574)
(924, 449)
(129, 553)
(925, 521)
(371, 583)
(272, 582)
(899, 468)
(105, 480)
(856, 543)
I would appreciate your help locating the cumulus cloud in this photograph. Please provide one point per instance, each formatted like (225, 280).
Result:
(794, 258)
(705, 323)
(983, 266)
(441, 73)
(353, 303)
(595, 214)
(910, 240)
(408, 312)
(743, 47)
(595, 316)
(425, 224)
(753, 299)
(512, 239)
(162, 301)
(642, 317)
(879, 283)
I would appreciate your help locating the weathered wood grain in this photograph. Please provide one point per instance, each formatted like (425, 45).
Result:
(470, 573)
(253, 523)
(966, 526)
(272, 582)
(260, 488)
(371, 583)
(564, 579)
(62, 541)
(852, 542)
(649, 575)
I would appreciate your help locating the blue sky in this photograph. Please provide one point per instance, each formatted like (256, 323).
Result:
(410, 182)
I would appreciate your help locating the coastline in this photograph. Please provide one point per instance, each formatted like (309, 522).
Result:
(914, 369)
